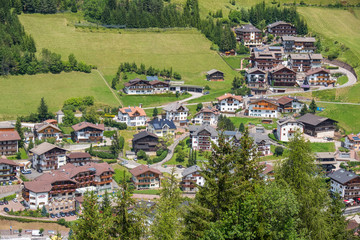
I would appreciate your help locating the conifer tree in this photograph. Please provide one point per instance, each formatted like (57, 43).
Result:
(312, 107)
(43, 112)
(304, 110)
(20, 132)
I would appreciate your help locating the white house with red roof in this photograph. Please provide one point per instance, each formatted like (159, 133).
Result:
(145, 177)
(230, 103)
(88, 132)
(352, 141)
(132, 116)
(319, 76)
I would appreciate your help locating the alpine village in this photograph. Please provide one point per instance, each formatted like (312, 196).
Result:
(179, 119)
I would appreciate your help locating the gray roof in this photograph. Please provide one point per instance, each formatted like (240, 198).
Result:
(197, 129)
(191, 170)
(298, 39)
(316, 56)
(173, 107)
(300, 56)
(278, 23)
(320, 155)
(7, 124)
(160, 123)
(286, 120)
(60, 112)
(312, 119)
(44, 147)
(212, 71)
(342, 176)
(235, 134)
(252, 70)
(247, 28)
(143, 134)
(258, 138)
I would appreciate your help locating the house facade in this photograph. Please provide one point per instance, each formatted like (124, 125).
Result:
(318, 126)
(304, 62)
(215, 75)
(145, 141)
(287, 127)
(161, 127)
(319, 76)
(262, 142)
(145, 177)
(326, 160)
(191, 179)
(78, 158)
(207, 115)
(9, 142)
(45, 130)
(230, 103)
(282, 76)
(132, 116)
(202, 137)
(8, 171)
(139, 86)
(88, 132)
(176, 112)
(352, 141)
(256, 81)
(345, 183)
(266, 108)
(289, 105)
(249, 35)
(47, 156)
(281, 28)
(298, 44)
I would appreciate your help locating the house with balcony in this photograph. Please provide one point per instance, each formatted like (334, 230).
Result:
(132, 116)
(7, 126)
(9, 142)
(46, 130)
(281, 28)
(145, 141)
(287, 127)
(202, 137)
(298, 44)
(78, 158)
(249, 35)
(215, 75)
(161, 127)
(326, 160)
(139, 86)
(88, 132)
(263, 107)
(207, 115)
(282, 76)
(47, 156)
(57, 190)
(304, 62)
(262, 142)
(8, 171)
(319, 76)
(352, 142)
(145, 177)
(318, 126)
(176, 112)
(191, 179)
(289, 105)
(345, 183)
(230, 103)
(256, 81)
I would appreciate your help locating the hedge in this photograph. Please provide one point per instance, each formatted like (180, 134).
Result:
(8, 198)
(161, 157)
(100, 154)
(109, 133)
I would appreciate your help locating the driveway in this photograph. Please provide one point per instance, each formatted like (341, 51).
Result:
(193, 96)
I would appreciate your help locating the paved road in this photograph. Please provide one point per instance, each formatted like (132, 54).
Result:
(193, 96)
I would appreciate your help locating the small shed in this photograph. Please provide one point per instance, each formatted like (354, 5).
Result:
(215, 75)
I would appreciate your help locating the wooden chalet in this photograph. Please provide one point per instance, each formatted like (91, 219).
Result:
(145, 141)
(215, 75)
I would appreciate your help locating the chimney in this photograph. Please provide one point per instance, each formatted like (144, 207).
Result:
(140, 105)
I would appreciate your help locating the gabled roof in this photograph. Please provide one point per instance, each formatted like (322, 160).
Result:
(298, 39)
(255, 70)
(41, 126)
(208, 110)
(247, 28)
(132, 110)
(7, 124)
(83, 125)
(313, 120)
(96, 168)
(160, 123)
(143, 169)
(60, 112)
(317, 70)
(190, 170)
(300, 56)
(156, 82)
(279, 68)
(174, 107)
(227, 95)
(269, 100)
(38, 186)
(278, 23)
(258, 138)
(212, 71)
(136, 81)
(4, 160)
(286, 120)
(317, 56)
(354, 137)
(342, 176)
(207, 128)
(9, 136)
(143, 134)
(75, 155)
(44, 147)
(320, 155)
(284, 100)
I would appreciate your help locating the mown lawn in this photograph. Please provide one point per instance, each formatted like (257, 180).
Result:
(322, 147)
(235, 61)
(148, 191)
(255, 121)
(149, 101)
(119, 173)
(342, 80)
(128, 136)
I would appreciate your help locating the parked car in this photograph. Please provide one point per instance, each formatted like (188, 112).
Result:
(67, 214)
(15, 200)
(39, 170)
(62, 214)
(58, 215)
(206, 93)
(72, 213)
(1, 203)
(179, 166)
(26, 171)
(52, 215)
(6, 202)
(6, 209)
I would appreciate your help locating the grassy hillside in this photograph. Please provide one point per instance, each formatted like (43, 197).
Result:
(21, 95)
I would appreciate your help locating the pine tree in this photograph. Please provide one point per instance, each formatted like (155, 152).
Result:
(155, 112)
(30, 146)
(106, 205)
(241, 127)
(43, 212)
(43, 112)
(312, 107)
(20, 131)
(304, 110)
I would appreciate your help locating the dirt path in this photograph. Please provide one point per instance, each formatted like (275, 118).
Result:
(112, 90)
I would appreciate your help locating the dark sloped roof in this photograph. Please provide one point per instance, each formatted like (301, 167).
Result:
(191, 170)
(143, 134)
(83, 125)
(212, 71)
(44, 147)
(9, 136)
(79, 155)
(342, 176)
(143, 169)
(313, 120)
(160, 123)
(207, 128)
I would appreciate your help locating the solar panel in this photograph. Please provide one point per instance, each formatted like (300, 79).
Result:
(356, 138)
(127, 110)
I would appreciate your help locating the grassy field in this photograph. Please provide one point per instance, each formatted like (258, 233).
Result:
(342, 80)
(148, 191)
(149, 101)
(119, 173)
(237, 121)
(21, 94)
(323, 147)
(128, 136)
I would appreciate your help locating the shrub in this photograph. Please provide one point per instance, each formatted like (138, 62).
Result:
(110, 161)
(159, 152)
(101, 154)
(161, 157)
(109, 133)
(279, 151)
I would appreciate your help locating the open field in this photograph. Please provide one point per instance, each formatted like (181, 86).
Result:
(322, 147)
(21, 95)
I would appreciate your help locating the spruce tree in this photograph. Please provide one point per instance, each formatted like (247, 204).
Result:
(155, 112)
(241, 127)
(304, 110)
(43, 112)
(20, 131)
(312, 107)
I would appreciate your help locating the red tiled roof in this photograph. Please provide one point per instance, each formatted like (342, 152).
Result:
(226, 96)
(143, 169)
(4, 160)
(79, 155)
(132, 111)
(38, 186)
(317, 70)
(284, 100)
(83, 125)
(9, 136)
(351, 137)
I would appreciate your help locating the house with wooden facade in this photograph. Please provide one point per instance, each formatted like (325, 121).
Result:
(8, 170)
(352, 142)
(132, 116)
(263, 107)
(47, 156)
(249, 35)
(215, 75)
(229, 103)
(9, 142)
(256, 81)
(304, 62)
(145, 141)
(266, 57)
(287, 127)
(281, 28)
(298, 44)
(262, 142)
(318, 126)
(7, 126)
(281, 76)
(345, 183)
(78, 158)
(139, 86)
(176, 112)
(207, 115)
(191, 179)
(145, 177)
(88, 132)
(202, 137)
(289, 105)
(161, 127)
(319, 76)
(46, 130)
(326, 160)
